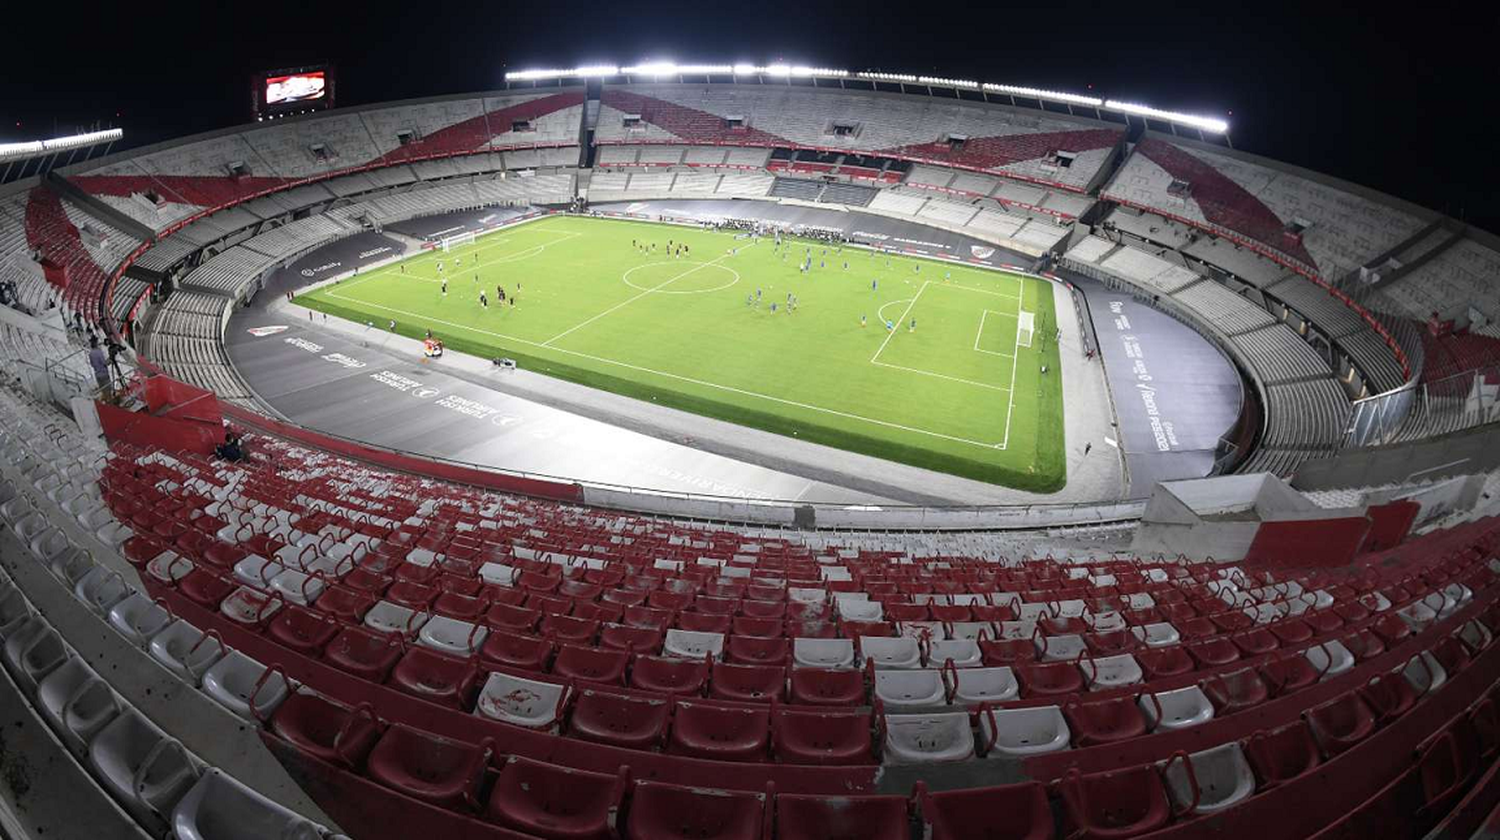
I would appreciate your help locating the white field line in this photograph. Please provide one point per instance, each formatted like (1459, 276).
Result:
(889, 334)
(633, 298)
(1011, 400)
(980, 291)
(728, 388)
(980, 333)
(392, 270)
(941, 376)
(514, 256)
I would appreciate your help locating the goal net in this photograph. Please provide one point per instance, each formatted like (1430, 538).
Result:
(1025, 327)
(457, 240)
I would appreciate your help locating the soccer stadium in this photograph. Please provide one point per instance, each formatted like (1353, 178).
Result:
(739, 451)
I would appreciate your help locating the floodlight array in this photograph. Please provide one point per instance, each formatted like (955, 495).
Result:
(667, 69)
(37, 148)
(1217, 126)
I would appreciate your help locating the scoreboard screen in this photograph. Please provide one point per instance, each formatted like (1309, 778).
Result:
(293, 91)
(298, 87)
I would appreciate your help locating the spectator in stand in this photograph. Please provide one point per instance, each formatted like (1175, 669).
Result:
(231, 449)
(100, 363)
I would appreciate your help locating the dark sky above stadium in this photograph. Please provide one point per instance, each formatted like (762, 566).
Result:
(1404, 103)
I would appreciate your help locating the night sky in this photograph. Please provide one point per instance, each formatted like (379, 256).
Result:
(1404, 103)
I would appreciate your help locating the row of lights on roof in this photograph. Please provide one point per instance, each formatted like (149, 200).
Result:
(663, 69)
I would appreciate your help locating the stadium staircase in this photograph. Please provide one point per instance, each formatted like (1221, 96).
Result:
(99, 209)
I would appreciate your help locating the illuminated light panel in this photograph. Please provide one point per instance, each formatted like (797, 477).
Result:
(1038, 93)
(934, 80)
(667, 68)
(33, 148)
(1216, 126)
(662, 69)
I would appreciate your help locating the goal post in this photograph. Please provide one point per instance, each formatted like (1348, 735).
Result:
(1025, 328)
(458, 240)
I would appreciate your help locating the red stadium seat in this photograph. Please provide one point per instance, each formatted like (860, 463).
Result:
(301, 629)
(206, 588)
(748, 683)
(506, 618)
(762, 628)
(515, 650)
(801, 737)
(828, 686)
(589, 664)
(1211, 653)
(1104, 721)
(569, 629)
(459, 606)
(763, 609)
(326, 730)
(1341, 723)
(1007, 651)
(619, 720)
(1122, 803)
(1235, 691)
(438, 677)
(1018, 812)
(704, 622)
(727, 733)
(1389, 696)
(635, 639)
(1282, 755)
(429, 768)
(364, 653)
(1111, 643)
(648, 617)
(1048, 679)
(669, 675)
(1255, 642)
(842, 817)
(659, 811)
(1288, 673)
(1168, 661)
(545, 800)
(751, 650)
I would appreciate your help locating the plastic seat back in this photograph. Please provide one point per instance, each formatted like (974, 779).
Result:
(927, 738)
(727, 733)
(1282, 755)
(1016, 733)
(806, 737)
(430, 768)
(619, 720)
(1018, 811)
(660, 811)
(1104, 721)
(327, 730)
(1121, 803)
(842, 817)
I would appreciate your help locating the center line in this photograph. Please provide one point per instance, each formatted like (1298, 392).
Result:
(662, 285)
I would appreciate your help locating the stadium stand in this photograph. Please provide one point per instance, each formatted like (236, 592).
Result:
(298, 556)
(1008, 141)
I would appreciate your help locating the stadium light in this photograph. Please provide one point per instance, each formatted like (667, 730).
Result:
(934, 80)
(1038, 93)
(667, 68)
(36, 148)
(1216, 126)
(590, 71)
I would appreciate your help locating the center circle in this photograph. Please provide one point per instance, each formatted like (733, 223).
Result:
(693, 277)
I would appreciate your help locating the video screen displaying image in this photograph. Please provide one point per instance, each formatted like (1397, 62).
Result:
(299, 87)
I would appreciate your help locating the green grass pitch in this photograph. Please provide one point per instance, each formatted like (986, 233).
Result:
(961, 392)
